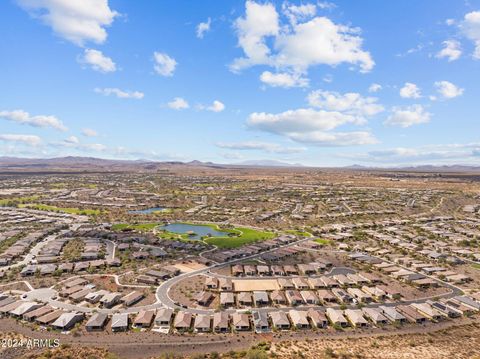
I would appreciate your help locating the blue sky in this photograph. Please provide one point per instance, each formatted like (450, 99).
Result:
(377, 83)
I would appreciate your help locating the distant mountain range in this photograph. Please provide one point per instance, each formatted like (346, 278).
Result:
(268, 163)
(77, 163)
(419, 168)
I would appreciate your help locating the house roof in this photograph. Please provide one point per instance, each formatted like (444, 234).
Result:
(97, 320)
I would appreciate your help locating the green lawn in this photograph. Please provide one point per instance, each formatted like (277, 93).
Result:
(17, 200)
(243, 236)
(46, 207)
(323, 242)
(240, 235)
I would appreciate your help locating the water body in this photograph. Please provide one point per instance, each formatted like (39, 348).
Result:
(198, 231)
(147, 210)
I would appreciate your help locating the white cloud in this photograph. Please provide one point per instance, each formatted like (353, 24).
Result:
(300, 120)
(297, 46)
(326, 5)
(164, 64)
(24, 118)
(203, 27)
(333, 139)
(30, 140)
(283, 79)
(450, 22)
(260, 20)
(311, 126)
(216, 106)
(350, 103)
(98, 61)
(73, 142)
(72, 139)
(428, 154)
(451, 50)
(448, 90)
(410, 90)
(408, 116)
(471, 29)
(374, 87)
(178, 103)
(88, 132)
(120, 93)
(260, 146)
(77, 21)
(302, 12)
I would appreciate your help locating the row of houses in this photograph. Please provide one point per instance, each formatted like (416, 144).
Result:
(166, 319)
(304, 283)
(44, 315)
(154, 277)
(280, 270)
(293, 297)
(80, 290)
(67, 267)
(19, 248)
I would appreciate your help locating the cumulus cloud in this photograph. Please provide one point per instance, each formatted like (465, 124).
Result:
(30, 140)
(300, 120)
(408, 116)
(98, 61)
(178, 103)
(374, 87)
(216, 106)
(203, 27)
(311, 126)
(351, 103)
(452, 50)
(24, 118)
(164, 64)
(448, 90)
(88, 132)
(333, 139)
(449, 153)
(73, 142)
(283, 79)
(260, 146)
(410, 90)
(470, 27)
(298, 45)
(75, 21)
(119, 93)
(315, 125)
(301, 12)
(72, 139)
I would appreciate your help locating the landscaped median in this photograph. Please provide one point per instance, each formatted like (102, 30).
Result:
(46, 207)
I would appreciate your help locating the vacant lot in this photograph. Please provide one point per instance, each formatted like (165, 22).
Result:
(246, 285)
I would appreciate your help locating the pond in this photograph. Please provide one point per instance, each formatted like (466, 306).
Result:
(147, 210)
(197, 231)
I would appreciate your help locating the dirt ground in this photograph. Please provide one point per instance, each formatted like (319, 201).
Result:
(457, 339)
(20, 286)
(186, 291)
(245, 285)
